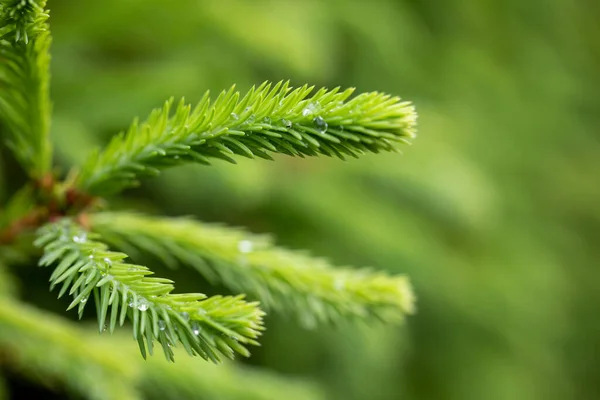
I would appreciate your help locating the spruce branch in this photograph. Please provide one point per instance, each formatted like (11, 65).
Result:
(268, 119)
(24, 82)
(43, 347)
(61, 354)
(87, 268)
(283, 280)
(189, 379)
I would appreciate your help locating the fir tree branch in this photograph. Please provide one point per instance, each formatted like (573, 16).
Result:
(41, 346)
(281, 279)
(268, 119)
(61, 355)
(189, 379)
(24, 82)
(87, 268)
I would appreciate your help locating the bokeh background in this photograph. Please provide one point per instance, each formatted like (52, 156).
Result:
(494, 211)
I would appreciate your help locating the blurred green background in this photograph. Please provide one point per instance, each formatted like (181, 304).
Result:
(493, 212)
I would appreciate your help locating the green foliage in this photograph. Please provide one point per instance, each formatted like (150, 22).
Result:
(493, 214)
(268, 119)
(24, 78)
(62, 215)
(283, 280)
(66, 357)
(204, 326)
(53, 352)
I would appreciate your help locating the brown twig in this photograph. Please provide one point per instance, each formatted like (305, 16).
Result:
(51, 205)
(30, 221)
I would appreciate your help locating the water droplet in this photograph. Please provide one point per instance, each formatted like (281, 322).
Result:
(245, 246)
(91, 256)
(84, 299)
(250, 119)
(267, 120)
(162, 325)
(107, 261)
(81, 238)
(142, 304)
(320, 124)
(287, 123)
(104, 328)
(195, 328)
(202, 311)
(131, 303)
(185, 315)
(232, 337)
(310, 109)
(234, 116)
(341, 128)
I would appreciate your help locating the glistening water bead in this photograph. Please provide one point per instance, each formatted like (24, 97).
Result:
(195, 328)
(80, 239)
(245, 246)
(310, 109)
(320, 124)
(142, 305)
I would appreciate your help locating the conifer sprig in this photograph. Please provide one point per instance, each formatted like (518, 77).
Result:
(283, 280)
(268, 119)
(24, 81)
(87, 268)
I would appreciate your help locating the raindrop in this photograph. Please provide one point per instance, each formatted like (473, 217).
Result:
(310, 109)
(107, 261)
(84, 299)
(142, 305)
(267, 120)
(287, 123)
(131, 303)
(245, 246)
(195, 328)
(104, 328)
(185, 315)
(80, 239)
(202, 311)
(320, 124)
(234, 116)
(162, 325)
